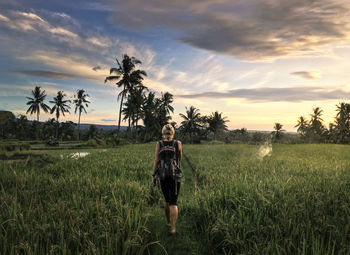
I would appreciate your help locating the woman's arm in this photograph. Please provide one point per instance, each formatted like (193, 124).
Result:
(179, 145)
(156, 159)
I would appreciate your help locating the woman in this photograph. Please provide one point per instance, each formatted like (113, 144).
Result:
(170, 186)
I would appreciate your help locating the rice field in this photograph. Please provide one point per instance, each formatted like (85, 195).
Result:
(295, 200)
(235, 199)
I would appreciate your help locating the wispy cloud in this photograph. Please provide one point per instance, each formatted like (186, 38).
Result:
(51, 74)
(266, 94)
(108, 120)
(25, 90)
(250, 30)
(96, 68)
(310, 75)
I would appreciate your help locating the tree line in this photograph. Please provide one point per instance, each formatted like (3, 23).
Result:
(155, 112)
(145, 115)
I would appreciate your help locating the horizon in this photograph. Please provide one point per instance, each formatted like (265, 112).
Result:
(256, 62)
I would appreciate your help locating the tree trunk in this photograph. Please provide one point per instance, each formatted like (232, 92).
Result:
(120, 111)
(136, 136)
(57, 128)
(79, 125)
(37, 128)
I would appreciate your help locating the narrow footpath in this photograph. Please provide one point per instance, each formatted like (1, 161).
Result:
(185, 241)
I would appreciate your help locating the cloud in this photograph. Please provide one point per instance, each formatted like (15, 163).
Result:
(57, 42)
(100, 41)
(96, 68)
(50, 89)
(96, 6)
(29, 22)
(292, 94)
(70, 66)
(311, 75)
(50, 74)
(251, 30)
(4, 18)
(108, 120)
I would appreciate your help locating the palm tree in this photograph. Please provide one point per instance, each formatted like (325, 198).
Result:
(166, 100)
(151, 116)
(127, 77)
(129, 112)
(278, 131)
(302, 125)
(138, 96)
(165, 108)
(342, 127)
(80, 102)
(216, 123)
(316, 121)
(36, 102)
(60, 106)
(191, 122)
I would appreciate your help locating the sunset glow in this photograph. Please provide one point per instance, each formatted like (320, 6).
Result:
(258, 62)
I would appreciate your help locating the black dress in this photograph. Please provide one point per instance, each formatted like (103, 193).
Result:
(169, 190)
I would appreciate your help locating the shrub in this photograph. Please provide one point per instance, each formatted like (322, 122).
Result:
(91, 142)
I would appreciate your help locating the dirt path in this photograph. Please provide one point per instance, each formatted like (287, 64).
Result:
(185, 241)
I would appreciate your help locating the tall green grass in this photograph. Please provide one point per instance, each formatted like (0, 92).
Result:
(297, 201)
(97, 204)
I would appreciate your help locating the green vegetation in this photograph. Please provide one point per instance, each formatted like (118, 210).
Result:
(294, 202)
(99, 203)
(235, 199)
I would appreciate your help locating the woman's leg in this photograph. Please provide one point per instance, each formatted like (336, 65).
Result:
(166, 191)
(167, 212)
(173, 218)
(173, 205)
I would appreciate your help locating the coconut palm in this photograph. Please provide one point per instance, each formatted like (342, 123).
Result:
(216, 123)
(138, 96)
(80, 101)
(316, 125)
(342, 126)
(151, 116)
(127, 78)
(60, 106)
(166, 100)
(191, 123)
(36, 102)
(129, 112)
(278, 131)
(164, 108)
(302, 125)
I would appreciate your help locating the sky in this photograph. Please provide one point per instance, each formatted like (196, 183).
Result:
(258, 62)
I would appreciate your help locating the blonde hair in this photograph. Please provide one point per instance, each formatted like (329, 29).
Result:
(168, 131)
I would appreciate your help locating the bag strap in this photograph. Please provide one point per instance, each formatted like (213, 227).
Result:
(176, 145)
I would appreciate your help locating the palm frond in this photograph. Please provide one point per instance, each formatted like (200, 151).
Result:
(112, 78)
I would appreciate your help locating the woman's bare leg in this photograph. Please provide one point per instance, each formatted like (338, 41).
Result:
(167, 212)
(173, 218)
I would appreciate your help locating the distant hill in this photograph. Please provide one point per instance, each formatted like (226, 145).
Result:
(103, 127)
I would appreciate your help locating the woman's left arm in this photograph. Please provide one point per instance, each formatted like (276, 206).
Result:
(180, 150)
(156, 159)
